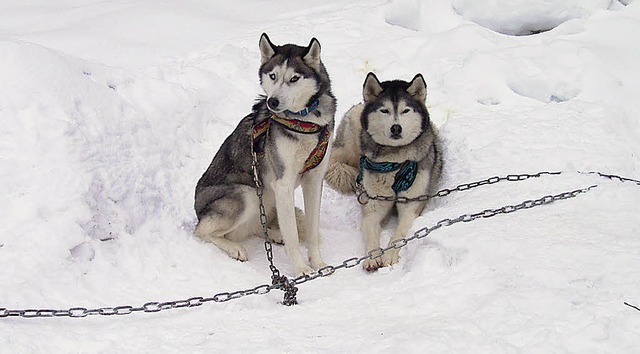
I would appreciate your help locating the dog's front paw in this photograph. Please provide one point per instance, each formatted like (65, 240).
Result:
(238, 252)
(371, 265)
(390, 257)
(276, 236)
(317, 264)
(304, 270)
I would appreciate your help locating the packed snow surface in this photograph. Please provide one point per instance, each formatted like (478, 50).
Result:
(111, 110)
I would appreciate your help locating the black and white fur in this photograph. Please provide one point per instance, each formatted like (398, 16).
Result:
(292, 77)
(392, 125)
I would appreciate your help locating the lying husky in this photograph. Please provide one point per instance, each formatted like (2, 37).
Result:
(388, 146)
(290, 131)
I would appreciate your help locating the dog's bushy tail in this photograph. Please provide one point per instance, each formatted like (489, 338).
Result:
(345, 155)
(341, 176)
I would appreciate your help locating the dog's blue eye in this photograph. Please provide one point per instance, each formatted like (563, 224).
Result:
(272, 76)
(384, 111)
(406, 110)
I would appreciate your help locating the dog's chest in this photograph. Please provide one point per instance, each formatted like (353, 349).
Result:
(297, 150)
(378, 183)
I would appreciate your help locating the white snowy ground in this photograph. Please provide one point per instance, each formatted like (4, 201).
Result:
(111, 110)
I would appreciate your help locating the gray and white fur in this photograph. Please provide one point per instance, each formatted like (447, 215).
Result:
(292, 77)
(391, 125)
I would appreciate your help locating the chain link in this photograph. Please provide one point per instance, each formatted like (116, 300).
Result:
(289, 285)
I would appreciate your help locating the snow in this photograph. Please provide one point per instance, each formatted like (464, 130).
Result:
(528, 16)
(111, 111)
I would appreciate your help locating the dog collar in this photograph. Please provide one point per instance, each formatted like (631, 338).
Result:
(307, 110)
(319, 151)
(403, 179)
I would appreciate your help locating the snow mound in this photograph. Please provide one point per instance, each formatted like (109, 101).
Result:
(417, 15)
(527, 16)
(88, 145)
(404, 13)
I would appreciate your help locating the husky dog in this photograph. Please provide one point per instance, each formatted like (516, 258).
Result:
(289, 130)
(388, 146)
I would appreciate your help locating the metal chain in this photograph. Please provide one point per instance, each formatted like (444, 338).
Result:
(612, 177)
(278, 281)
(289, 285)
(263, 214)
(425, 231)
(632, 306)
(77, 312)
(364, 197)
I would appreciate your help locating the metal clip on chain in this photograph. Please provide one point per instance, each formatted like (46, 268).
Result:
(289, 288)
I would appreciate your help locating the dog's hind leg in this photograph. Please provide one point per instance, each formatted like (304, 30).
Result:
(227, 216)
(274, 229)
(213, 229)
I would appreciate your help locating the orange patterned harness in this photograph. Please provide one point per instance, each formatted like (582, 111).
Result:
(298, 126)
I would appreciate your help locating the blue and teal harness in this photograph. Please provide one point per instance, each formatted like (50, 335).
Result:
(403, 179)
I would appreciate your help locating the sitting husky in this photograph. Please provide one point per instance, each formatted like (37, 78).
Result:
(388, 147)
(289, 130)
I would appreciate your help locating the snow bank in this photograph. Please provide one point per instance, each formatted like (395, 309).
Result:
(416, 15)
(526, 17)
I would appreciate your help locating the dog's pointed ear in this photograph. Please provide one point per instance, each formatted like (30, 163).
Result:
(418, 88)
(371, 88)
(267, 49)
(312, 57)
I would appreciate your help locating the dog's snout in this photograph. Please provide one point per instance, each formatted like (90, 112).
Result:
(273, 102)
(396, 129)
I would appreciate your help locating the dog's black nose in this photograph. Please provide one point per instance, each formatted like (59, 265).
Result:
(396, 130)
(273, 102)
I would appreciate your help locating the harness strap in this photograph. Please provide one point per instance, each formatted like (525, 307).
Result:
(403, 179)
(318, 152)
(298, 126)
(316, 156)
